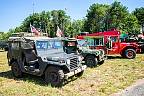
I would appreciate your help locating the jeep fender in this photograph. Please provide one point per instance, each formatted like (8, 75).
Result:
(63, 67)
(92, 55)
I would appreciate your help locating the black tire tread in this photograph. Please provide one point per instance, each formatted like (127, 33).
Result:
(134, 53)
(59, 71)
(19, 73)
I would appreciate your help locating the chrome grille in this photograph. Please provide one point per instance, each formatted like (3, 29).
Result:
(73, 63)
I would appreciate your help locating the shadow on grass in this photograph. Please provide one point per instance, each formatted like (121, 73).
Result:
(115, 57)
(31, 78)
(2, 51)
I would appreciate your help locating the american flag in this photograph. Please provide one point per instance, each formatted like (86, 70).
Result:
(34, 30)
(59, 33)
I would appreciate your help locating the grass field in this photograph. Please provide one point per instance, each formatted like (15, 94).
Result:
(114, 75)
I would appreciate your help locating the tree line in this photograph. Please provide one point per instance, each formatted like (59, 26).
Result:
(99, 17)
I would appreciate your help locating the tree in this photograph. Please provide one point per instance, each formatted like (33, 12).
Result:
(46, 21)
(59, 18)
(77, 26)
(94, 17)
(130, 25)
(139, 13)
(115, 16)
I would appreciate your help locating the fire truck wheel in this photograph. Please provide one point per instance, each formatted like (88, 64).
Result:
(130, 53)
(91, 61)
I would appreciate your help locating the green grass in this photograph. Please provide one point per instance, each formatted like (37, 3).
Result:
(114, 75)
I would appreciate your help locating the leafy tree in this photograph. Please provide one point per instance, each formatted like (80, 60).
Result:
(6, 35)
(95, 17)
(77, 26)
(115, 16)
(59, 18)
(139, 13)
(130, 25)
(46, 21)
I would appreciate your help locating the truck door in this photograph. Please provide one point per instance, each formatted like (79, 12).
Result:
(113, 45)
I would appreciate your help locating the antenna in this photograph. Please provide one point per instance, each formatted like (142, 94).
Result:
(33, 4)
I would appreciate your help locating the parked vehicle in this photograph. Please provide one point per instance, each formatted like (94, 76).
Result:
(91, 57)
(135, 39)
(113, 44)
(43, 56)
(3, 45)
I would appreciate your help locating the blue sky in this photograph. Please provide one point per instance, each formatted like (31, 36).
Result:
(13, 12)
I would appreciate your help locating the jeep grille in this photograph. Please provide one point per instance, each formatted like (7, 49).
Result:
(73, 63)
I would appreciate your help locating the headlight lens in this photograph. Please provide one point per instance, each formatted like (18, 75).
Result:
(62, 61)
(68, 61)
(80, 58)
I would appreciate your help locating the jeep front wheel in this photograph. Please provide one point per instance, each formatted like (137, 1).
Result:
(79, 74)
(101, 62)
(130, 53)
(91, 61)
(16, 69)
(54, 76)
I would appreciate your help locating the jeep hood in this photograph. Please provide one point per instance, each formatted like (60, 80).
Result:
(59, 56)
(55, 55)
(87, 50)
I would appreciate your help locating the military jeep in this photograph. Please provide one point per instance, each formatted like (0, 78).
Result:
(91, 57)
(43, 56)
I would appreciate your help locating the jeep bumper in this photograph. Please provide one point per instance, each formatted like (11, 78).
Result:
(80, 69)
(102, 58)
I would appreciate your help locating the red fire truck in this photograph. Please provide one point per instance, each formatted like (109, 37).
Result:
(111, 42)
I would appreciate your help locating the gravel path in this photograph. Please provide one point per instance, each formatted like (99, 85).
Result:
(137, 89)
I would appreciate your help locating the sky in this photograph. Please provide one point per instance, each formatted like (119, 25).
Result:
(13, 12)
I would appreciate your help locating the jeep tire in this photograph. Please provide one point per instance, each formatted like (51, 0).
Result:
(130, 53)
(91, 61)
(16, 70)
(79, 74)
(101, 62)
(54, 76)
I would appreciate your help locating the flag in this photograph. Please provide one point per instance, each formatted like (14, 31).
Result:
(34, 30)
(59, 33)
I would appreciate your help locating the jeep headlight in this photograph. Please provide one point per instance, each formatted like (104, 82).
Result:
(62, 61)
(68, 61)
(80, 58)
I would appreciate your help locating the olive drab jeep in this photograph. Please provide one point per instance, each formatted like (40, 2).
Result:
(43, 56)
(90, 57)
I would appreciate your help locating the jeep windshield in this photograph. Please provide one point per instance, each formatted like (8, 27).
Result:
(49, 47)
